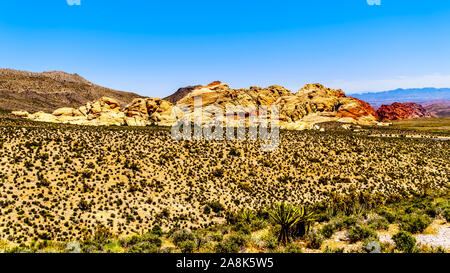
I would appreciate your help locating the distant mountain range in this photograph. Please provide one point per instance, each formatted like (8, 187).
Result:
(47, 91)
(423, 95)
(438, 108)
(434, 100)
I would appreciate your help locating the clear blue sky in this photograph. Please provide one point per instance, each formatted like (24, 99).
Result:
(154, 47)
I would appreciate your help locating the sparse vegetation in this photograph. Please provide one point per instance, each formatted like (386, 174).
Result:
(126, 189)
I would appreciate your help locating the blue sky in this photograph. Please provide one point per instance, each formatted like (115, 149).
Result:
(155, 47)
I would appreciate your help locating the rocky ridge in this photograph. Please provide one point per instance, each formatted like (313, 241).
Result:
(438, 108)
(47, 91)
(181, 93)
(311, 105)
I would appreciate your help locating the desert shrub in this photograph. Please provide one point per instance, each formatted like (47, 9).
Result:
(270, 239)
(327, 230)
(431, 211)
(144, 247)
(206, 210)
(329, 249)
(84, 205)
(226, 247)
(359, 233)
(232, 243)
(102, 234)
(438, 249)
(151, 238)
(314, 240)
(147, 242)
(187, 246)
(389, 216)
(239, 238)
(258, 224)
(349, 221)
(218, 173)
(181, 236)
(415, 223)
(216, 206)
(73, 247)
(323, 216)
(157, 230)
(202, 238)
(293, 248)
(377, 222)
(91, 247)
(242, 227)
(231, 217)
(128, 242)
(404, 241)
(446, 214)
(341, 222)
(216, 237)
(17, 249)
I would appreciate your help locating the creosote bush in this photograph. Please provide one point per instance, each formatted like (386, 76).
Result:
(415, 223)
(404, 241)
(359, 233)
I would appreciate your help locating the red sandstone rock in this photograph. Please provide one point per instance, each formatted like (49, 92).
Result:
(363, 109)
(399, 111)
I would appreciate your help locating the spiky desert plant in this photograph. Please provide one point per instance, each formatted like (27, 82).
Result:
(303, 225)
(247, 215)
(286, 216)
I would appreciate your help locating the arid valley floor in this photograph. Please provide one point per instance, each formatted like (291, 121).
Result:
(130, 189)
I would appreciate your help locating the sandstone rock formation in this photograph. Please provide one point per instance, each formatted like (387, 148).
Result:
(315, 103)
(145, 111)
(105, 111)
(399, 111)
(311, 105)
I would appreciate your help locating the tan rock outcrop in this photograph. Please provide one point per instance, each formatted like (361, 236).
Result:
(68, 112)
(311, 105)
(105, 111)
(145, 111)
(45, 117)
(22, 114)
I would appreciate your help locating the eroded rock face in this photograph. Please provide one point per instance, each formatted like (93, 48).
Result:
(221, 95)
(315, 103)
(145, 111)
(312, 104)
(399, 111)
(105, 111)
(67, 112)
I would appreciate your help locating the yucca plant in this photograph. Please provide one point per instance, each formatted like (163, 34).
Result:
(301, 228)
(287, 216)
(247, 216)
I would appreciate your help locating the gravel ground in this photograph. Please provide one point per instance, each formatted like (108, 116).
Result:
(442, 238)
